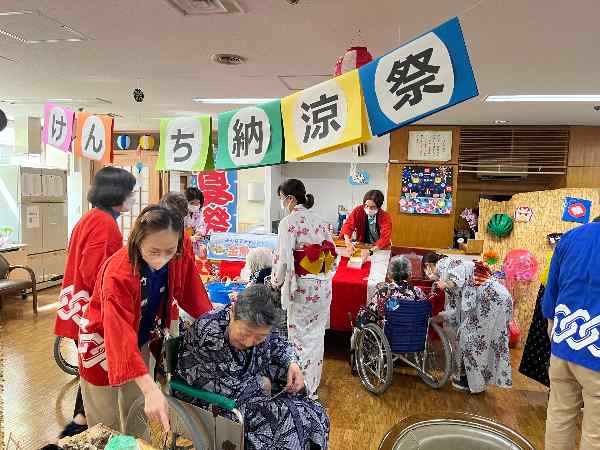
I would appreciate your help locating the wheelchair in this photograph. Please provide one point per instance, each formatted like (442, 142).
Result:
(408, 336)
(65, 355)
(192, 427)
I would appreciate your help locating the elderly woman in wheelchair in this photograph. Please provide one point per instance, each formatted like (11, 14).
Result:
(233, 352)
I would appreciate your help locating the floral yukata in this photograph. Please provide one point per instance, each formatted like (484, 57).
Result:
(208, 361)
(303, 267)
(483, 337)
(195, 226)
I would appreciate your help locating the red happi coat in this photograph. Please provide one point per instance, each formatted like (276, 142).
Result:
(94, 239)
(357, 221)
(108, 338)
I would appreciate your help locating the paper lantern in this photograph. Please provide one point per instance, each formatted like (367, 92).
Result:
(352, 59)
(147, 142)
(520, 265)
(500, 224)
(123, 141)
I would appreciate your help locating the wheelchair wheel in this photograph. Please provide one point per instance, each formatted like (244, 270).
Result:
(65, 355)
(186, 434)
(436, 360)
(374, 359)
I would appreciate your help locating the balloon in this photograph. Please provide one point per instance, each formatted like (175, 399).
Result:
(520, 265)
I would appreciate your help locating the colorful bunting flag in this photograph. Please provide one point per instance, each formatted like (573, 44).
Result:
(93, 138)
(58, 126)
(185, 144)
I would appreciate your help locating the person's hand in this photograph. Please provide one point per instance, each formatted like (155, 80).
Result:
(295, 379)
(156, 407)
(266, 385)
(441, 285)
(364, 254)
(438, 318)
(350, 247)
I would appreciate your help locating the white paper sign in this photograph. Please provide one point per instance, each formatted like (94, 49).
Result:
(93, 138)
(184, 139)
(248, 136)
(32, 215)
(430, 145)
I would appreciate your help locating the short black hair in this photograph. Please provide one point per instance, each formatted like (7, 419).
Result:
(295, 188)
(110, 187)
(175, 201)
(430, 258)
(193, 193)
(376, 196)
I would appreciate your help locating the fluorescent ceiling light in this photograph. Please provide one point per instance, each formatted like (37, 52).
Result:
(233, 101)
(14, 13)
(542, 98)
(13, 36)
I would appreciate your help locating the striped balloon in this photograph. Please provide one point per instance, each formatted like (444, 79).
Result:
(354, 58)
(124, 141)
(147, 142)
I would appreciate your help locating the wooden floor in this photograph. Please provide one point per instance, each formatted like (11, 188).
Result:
(39, 398)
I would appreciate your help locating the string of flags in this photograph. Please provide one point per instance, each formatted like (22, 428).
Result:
(417, 79)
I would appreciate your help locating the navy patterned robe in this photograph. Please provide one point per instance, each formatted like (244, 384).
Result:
(208, 361)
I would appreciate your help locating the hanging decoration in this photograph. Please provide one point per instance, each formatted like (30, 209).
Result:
(354, 58)
(523, 214)
(553, 238)
(250, 137)
(426, 190)
(123, 141)
(520, 265)
(420, 78)
(93, 137)
(325, 117)
(58, 126)
(357, 177)
(470, 217)
(576, 210)
(146, 142)
(3, 120)
(500, 225)
(185, 144)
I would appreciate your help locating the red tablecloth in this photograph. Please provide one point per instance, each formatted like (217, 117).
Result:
(349, 293)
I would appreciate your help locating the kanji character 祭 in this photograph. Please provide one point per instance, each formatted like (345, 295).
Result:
(179, 145)
(216, 218)
(320, 116)
(411, 77)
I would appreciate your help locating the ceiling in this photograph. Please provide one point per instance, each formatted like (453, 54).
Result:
(516, 47)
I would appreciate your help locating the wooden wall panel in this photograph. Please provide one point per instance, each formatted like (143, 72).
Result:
(584, 147)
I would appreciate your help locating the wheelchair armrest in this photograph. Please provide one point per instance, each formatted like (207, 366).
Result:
(28, 269)
(209, 397)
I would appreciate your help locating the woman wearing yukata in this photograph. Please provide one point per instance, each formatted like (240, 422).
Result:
(135, 299)
(303, 269)
(455, 277)
(194, 224)
(235, 352)
(482, 351)
(95, 237)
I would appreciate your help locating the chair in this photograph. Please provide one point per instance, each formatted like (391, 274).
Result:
(8, 286)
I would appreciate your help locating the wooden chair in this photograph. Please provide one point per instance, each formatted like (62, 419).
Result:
(8, 286)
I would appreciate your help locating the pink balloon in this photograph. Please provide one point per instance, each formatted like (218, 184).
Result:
(520, 265)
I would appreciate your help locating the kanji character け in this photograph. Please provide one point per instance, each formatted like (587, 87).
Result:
(58, 132)
(411, 84)
(323, 114)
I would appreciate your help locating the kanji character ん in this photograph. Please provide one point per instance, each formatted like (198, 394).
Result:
(215, 187)
(217, 219)
(181, 145)
(411, 84)
(92, 140)
(323, 114)
(245, 134)
(57, 133)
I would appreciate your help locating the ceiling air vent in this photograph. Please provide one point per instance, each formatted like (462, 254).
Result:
(228, 59)
(206, 7)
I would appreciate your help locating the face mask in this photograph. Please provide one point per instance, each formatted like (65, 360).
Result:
(431, 274)
(156, 263)
(282, 203)
(129, 203)
(371, 212)
(193, 208)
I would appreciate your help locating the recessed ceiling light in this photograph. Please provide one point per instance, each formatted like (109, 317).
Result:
(542, 98)
(501, 122)
(233, 101)
(228, 59)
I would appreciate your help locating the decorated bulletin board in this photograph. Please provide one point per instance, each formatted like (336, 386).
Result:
(426, 190)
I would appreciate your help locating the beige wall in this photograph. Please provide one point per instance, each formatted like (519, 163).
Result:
(250, 213)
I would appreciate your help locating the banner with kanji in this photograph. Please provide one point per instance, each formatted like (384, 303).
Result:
(185, 144)
(220, 200)
(420, 78)
(58, 126)
(93, 137)
(250, 137)
(325, 117)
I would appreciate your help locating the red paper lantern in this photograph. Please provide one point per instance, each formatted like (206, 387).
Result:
(352, 59)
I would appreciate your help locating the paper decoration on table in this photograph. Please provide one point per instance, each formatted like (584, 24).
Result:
(220, 199)
(123, 141)
(58, 126)
(426, 190)
(470, 217)
(491, 257)
(325, 117)
(523, 214)
(185, 144)
(235, 246)
(250, 137)
(430, 146)
(93, 137)
(420, 78)
(576, 210)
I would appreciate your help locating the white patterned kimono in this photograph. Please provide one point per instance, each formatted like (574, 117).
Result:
(307, 299)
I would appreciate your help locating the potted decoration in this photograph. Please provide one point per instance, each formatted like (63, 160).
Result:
(5, 233)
